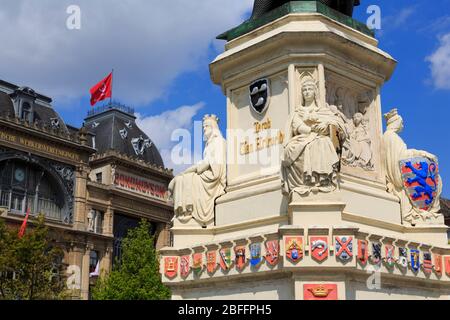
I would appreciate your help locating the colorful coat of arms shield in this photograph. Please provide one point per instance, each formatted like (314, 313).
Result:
(447, 265)
(225, 259)
(197, 262)
(319, 248)
(437, 263)
(294, 248)
(363, 251)
(375, 257)
(344, 248)
(185, 266)
(421, 179)
(427, 263)
(415, 260)
(402, 260)
(255, 254)
(240, 259)
(389, 255)
(211, 261)
(170, 267)
(272, 252)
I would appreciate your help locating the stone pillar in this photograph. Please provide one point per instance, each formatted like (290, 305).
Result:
(85, 273)
(163, 235)
(74, 260)
(80, 196)
(108, 223)
(106, 260)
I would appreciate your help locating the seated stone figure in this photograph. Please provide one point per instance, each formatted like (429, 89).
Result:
(194, 192)
(261, 7)
(411, 175)
(310, 161)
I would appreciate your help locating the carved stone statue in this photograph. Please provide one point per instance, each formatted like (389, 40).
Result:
(411, 175)
(91, 220)
(310, 161)
(261, 7)
(194, 192)
(359, 151)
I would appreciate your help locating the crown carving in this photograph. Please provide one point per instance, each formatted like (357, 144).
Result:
(320, 291)
(211, 117)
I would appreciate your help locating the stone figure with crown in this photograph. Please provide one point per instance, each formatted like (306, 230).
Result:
(310, 160)
(411, 175)
(194, 191)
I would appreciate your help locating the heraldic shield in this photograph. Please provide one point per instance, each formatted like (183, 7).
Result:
(259, 95)
(421, 179)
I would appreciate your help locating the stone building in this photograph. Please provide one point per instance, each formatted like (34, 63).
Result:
(92, 184)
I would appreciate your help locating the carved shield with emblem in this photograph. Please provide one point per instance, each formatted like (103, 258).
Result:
(421, 181)
(260, 95)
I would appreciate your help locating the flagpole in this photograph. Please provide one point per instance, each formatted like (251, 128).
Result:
(112, 82)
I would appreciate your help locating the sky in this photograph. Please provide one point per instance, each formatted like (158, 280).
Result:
(161, 50)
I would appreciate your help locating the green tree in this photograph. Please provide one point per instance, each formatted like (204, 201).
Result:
(136, 276)
(28, 266)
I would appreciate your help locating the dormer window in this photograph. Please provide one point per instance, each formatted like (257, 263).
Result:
(26, 111)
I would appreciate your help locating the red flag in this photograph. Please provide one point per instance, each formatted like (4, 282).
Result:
(102, 90)
(24, 224)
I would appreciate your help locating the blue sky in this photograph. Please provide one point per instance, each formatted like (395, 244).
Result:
(164, 72)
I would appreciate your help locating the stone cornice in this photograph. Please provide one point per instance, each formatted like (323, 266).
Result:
(112, 156)
(39, 129)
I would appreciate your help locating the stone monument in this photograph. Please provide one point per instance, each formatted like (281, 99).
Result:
(317, 198)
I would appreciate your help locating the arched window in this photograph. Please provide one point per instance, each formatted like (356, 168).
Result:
(24, 185)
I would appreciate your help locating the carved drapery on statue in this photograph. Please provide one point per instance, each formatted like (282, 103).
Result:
(310, 161)
(194, 192)
(411, 175)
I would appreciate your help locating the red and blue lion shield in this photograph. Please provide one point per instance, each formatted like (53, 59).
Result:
(421, 179)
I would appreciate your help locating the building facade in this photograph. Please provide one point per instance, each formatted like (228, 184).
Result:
(92, 184)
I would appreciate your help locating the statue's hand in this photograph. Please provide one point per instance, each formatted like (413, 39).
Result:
(429, 156)
(321, 127)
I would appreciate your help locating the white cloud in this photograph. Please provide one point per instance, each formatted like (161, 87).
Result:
(161, 127)
(440, 64)
(400, 19)
(148, 43)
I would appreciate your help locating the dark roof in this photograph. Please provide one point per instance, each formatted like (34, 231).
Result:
(42, 113)
(6, 105)
(46, 115)
(106, 125)
(445, 207)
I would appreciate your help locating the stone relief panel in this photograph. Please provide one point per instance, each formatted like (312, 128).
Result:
(356, 106)
(255, 138)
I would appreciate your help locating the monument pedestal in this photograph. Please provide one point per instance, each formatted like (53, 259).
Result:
(307, 210)
(321, 246)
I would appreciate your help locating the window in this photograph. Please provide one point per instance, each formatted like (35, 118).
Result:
(24, 186)
(93, 263)
(26, 111)
(99, 177)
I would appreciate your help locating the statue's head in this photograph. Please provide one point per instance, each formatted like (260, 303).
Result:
(357, 119)
(364, 102)
(310, 90)
(339, 96)
(210, 126)
(394, 121)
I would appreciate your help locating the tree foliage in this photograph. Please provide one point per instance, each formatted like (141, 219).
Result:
(136, 276)
(28, 266)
